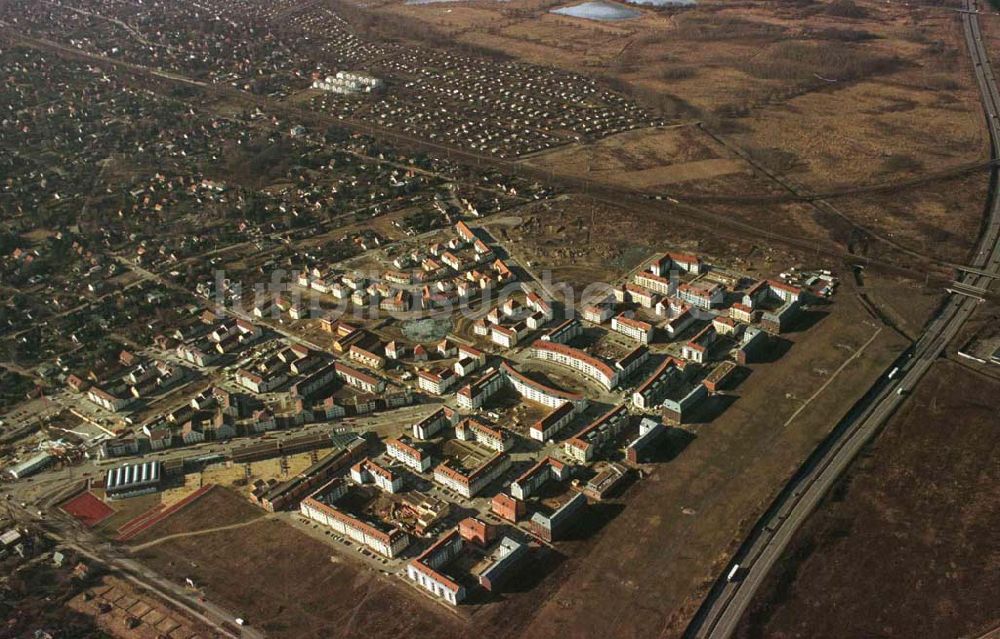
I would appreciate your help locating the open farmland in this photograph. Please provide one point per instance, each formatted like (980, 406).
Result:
(897, 548)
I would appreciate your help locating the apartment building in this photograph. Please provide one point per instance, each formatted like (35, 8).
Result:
(474, 395)
(470, 483)
(704, 295)
(632, 361)
(598, 314)
(635, 329)
(503, 561)
(655, 283)
(552, 527)
(535, 477)
(367, 471)
(432, 424)
(584, 446)
(319, 507)
(653, 389)
(548, 426)
(564, 332)
(427, 569)
(107, 400)
(403, 451)
(634, 294)
(576, 359)
(683, 262)
(358, 379)
(495, 438)
(507, 336)
(365, 357)
(742, 313)
(437, 382)
(697, 349)
(650, 430)
(507, 508)
(675, 410)
(539, 393)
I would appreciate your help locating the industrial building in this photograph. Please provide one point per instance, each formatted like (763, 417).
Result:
(31, 465)
(132, 480)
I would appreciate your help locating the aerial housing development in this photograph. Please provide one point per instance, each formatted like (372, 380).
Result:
(497, 319)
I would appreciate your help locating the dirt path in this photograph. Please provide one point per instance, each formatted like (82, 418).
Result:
(203, 531)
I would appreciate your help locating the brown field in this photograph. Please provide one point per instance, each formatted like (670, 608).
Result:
(648, 158)
(904, 546)
(827, 94)
(217, 508)
(940, 219)
(287, 584)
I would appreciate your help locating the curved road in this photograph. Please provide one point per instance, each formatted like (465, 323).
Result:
(725, 604)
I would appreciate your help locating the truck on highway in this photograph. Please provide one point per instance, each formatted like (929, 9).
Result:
(893, 372)
(734, 573)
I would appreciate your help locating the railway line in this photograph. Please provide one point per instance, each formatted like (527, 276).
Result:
(724, 606)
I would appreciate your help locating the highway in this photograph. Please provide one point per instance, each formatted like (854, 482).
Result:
(724, 606)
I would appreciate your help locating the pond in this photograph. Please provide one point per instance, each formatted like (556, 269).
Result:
(664, 3)
(598, 10)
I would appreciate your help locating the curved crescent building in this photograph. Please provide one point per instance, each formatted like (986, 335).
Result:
(537, 392)
(578, 360)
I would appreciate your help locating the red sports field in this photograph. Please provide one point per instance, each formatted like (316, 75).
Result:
(88, 509)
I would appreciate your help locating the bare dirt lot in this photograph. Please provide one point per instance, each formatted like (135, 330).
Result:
(217, 508)
(905, 544)
(122, 611)
(290, 585)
